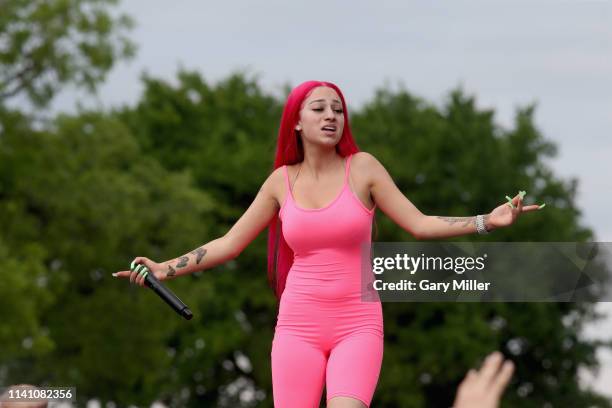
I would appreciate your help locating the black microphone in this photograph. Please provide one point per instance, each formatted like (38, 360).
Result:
(164, 293)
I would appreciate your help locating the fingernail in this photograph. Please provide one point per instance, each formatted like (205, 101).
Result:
(542, 206)
(115, 275)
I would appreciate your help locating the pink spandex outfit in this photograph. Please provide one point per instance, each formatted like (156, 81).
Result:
(325, 334)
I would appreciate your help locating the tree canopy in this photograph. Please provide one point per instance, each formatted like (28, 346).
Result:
(46, 44)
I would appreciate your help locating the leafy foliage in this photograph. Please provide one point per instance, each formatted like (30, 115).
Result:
(45, 44)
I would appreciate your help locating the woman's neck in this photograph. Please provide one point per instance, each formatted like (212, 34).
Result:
(321, 163)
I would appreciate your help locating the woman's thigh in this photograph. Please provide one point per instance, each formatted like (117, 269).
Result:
(298, 372)
(353, 367)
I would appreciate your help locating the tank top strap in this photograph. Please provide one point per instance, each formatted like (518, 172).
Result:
(347, 170)
(287, 183)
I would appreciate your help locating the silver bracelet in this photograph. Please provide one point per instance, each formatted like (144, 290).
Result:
(480, 225)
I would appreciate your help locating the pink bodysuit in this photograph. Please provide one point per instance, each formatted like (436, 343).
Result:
(325, 334)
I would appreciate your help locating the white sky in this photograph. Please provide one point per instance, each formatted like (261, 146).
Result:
(557, 53)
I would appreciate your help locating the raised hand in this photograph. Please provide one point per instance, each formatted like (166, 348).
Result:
(483, 388)
(506, 215)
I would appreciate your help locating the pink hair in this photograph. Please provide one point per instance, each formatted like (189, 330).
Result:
(289, 150)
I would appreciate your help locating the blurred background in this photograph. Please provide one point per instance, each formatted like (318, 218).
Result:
(146, 129)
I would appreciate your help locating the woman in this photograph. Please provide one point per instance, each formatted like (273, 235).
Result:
(319, 203)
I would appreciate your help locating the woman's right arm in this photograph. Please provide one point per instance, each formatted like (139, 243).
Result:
(220, 250)
(245, 230)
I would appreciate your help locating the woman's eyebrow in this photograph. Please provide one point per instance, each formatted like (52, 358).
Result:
(322, 100)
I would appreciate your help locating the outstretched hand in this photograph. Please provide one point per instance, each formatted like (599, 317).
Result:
(484, 388)
(505, 215)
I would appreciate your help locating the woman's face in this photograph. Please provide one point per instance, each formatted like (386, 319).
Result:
(321, 117)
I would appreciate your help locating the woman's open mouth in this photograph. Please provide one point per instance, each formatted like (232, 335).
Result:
(329, 130)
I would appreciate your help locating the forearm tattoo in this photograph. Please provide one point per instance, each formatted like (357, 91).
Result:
(171, 271)
(182, 261)
(200, 252)
(466, 221)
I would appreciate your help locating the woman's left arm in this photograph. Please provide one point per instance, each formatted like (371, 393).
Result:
(399, 208)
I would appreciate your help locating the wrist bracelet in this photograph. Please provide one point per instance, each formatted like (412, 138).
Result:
(480, 225)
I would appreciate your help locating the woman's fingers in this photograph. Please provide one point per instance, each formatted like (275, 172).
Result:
(490, 367)
(136, 275)
(135, 271)
(140, 279)
(500, 382)
(496, 373)
(122, 274)
(483, 388)
(516, 204)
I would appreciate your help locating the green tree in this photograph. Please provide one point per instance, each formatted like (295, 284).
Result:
(86, 195)
(46, 44)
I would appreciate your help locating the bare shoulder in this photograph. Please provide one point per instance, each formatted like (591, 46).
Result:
(365, 161)
(275, 184)
(366, 166)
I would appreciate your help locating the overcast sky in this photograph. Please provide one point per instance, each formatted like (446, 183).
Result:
(556, 53)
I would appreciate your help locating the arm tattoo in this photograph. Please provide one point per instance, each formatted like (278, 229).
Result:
(200, 252)
(182, 262)
(465, 220)
(171, 271)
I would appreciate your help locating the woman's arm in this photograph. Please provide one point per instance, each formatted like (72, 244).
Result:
(220, 250)
(209, 255)
(434, 227)
(399, 208)
(387, 196)
(437, 226)
(245, 230)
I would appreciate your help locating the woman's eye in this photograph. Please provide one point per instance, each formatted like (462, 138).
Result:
(321, 109)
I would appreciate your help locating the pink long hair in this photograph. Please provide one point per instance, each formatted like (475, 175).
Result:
(289, 150)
